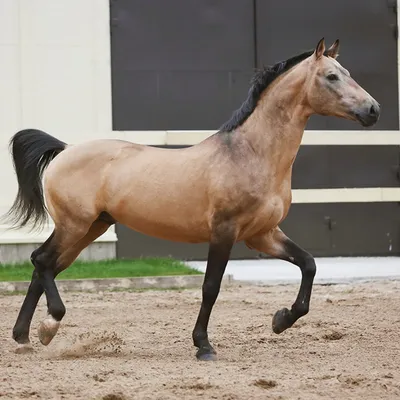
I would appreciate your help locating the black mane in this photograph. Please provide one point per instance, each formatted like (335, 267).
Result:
(261, 80)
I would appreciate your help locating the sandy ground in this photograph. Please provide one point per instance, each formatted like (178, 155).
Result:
(121, 345)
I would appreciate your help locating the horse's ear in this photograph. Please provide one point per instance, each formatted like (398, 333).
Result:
(320, 49)
(333, 51)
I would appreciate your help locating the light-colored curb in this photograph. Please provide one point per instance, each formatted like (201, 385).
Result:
(98, 285)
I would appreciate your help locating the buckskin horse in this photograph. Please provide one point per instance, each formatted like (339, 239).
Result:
(233, 186)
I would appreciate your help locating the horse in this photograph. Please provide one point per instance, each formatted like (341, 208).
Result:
(233, 186)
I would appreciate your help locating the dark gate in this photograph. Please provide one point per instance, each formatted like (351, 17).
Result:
(179, 64)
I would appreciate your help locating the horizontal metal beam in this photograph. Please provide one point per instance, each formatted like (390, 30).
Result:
(346, 195)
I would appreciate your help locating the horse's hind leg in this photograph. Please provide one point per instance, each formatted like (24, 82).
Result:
(44, 259)
(98, 227)
(277, 244)
(44, 256)
(65, 255)
(22, 325)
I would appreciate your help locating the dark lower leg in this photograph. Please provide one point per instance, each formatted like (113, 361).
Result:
(45, 264)
(285, 318)
(55, 306)
(23, 323)
(218, 257)
(45, 260)
(35, 290)
(53, 261)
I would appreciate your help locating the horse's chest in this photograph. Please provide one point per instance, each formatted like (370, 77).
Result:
(271, 212)
(266, 216)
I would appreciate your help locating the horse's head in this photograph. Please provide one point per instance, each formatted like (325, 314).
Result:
(332, 91)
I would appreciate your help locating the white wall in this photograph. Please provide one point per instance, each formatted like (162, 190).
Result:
(54, 76)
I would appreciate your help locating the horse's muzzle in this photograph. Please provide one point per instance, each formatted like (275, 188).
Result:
(369, 115)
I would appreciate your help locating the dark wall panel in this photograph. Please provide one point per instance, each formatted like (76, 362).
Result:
(311, 169)
(307, 225)
(372, 228)
(364, 166)
(192, 103)
(179, 64)
(318, 167)
(182, 35)
(368, 46)
(135, 97)
(354, 229)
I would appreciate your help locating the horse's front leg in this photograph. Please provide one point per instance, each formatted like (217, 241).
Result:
(277, 244)
(218, 255)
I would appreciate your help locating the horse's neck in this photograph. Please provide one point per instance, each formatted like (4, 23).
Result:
(276, 126)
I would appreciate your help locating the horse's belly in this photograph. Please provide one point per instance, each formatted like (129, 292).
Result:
(169, 231)
(170, 224)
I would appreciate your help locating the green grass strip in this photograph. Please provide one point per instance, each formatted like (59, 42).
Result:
(104, 269)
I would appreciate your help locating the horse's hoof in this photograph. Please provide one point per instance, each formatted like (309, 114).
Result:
(207, 357)
(47, 330)
(205, 354)
(24, 348)
(281, 321)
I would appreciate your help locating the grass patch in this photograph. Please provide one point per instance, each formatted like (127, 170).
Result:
(104, 269)
(115, 290)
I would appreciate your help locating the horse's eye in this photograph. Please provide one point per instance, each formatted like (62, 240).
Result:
(332, 77)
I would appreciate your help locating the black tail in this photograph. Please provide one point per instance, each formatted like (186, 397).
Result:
(32, 150)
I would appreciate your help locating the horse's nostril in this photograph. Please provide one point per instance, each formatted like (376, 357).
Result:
(373, 111)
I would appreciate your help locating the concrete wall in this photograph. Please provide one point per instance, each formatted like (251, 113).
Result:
(54, 76)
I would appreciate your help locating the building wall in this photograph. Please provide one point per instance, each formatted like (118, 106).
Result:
(54, 76)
